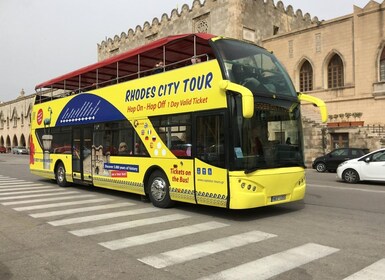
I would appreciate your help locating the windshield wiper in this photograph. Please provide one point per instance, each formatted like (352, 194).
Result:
(251, 170)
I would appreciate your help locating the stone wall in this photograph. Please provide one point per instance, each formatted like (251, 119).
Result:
(250, 20)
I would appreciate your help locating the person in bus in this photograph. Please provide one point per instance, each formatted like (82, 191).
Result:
(138, 150)
(196, 60)
(123, 149)
(288, 141)
(159, 68)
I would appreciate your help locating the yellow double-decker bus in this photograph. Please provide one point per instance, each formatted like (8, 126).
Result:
(193, 118)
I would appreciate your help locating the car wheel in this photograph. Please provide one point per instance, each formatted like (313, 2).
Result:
(61, 175)
(320, 167)
(350, 176)
(159, 190)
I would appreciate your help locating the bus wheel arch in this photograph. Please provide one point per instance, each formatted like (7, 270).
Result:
(157, 187)
(60, 174)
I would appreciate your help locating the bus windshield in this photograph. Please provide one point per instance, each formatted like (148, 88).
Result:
(270, 139)
(254, 68)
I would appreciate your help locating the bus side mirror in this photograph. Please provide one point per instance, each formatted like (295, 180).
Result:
(247, 97)
(317, 102)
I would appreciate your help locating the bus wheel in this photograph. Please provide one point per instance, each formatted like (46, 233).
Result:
(61, 175)
(159, 190)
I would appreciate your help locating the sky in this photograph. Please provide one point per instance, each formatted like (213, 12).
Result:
(43, 39)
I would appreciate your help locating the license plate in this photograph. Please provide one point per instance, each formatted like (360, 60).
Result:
(278, 198)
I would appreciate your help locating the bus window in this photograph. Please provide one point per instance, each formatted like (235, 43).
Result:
(175, 132)
(210, 140)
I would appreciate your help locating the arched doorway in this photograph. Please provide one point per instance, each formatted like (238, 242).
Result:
(8, 144)
(22, 141)
(15, 143)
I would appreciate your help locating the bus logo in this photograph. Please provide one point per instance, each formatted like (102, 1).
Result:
(39, 116)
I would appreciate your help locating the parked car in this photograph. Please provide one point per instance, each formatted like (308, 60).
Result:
(19, 150)
(3, 149)
(331, 160)
(370, 167)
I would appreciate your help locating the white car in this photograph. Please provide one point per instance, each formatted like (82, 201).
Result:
(19, 150)
(370, 167)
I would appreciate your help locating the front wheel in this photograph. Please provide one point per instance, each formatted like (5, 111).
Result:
(159, 190)
(320, 167)
(61, 175)
(350, 176)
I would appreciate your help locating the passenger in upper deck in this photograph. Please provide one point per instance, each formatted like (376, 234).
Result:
(196, 60)
(159, 67)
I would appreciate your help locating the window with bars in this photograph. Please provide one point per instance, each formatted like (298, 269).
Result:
(382, 66)
(306, 77)
(335, 72)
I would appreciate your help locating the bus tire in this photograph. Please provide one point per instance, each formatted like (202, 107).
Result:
(60, 174)
(159, 190)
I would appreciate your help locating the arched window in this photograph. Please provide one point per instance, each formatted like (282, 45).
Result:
(335, 72)
(306, 77)
(382, 66)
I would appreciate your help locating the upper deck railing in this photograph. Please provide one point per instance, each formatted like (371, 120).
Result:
(159, 56)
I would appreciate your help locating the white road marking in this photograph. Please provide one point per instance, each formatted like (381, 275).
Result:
(81, 210)
(47, 199)
(53, 205)
(375, 271)
(160, 235)
(346, 188)
(25, 192)
(204, 249)
(24, 188)
(15, 188)
(63, 192)
(105, 216)
(276, 264)
(127, 225)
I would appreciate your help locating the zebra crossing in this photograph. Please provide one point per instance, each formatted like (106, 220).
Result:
(56, 205)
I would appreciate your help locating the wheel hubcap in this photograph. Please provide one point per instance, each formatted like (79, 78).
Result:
(158, 189)
(60, 174)
(321, 167)
(350, 176)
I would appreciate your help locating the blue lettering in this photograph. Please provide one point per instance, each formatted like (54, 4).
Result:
(209, 79)
(200, 82)
(161, 88)
(193, 83)
(176, 85)
(185, 84)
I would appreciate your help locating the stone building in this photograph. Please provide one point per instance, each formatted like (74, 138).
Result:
(250, 20)
(341, 61)
(15, 121)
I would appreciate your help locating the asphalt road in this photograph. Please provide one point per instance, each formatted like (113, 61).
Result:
(337, 232)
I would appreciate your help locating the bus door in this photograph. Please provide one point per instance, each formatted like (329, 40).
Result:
(81, 153)
(211, 176)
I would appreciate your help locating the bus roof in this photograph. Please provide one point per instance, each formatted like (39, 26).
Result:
(177, 47)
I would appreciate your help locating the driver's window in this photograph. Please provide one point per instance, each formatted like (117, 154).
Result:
(379, 156)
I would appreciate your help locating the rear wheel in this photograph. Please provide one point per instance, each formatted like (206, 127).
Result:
(159, 190)
(350, 176)
(320, 167)
(61, 175)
